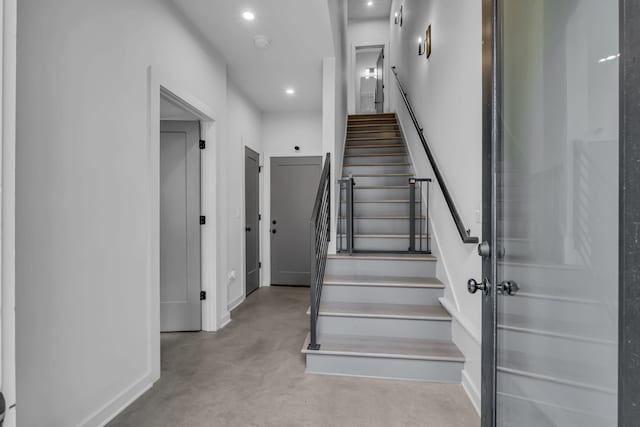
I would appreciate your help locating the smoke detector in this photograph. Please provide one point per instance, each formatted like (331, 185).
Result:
(261, 42)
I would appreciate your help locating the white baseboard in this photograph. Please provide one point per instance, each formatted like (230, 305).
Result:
(120, 402)
(226, 319)
(235, 303)
(471, 390)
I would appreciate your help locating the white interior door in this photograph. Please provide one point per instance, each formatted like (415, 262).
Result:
(180, 280)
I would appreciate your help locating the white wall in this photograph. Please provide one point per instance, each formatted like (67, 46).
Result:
(245, 128)
(281, 132)
(446, 92)
(86, 262)
(366, 33)
(334, 102)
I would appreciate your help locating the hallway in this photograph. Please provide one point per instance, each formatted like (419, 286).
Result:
(252, 374)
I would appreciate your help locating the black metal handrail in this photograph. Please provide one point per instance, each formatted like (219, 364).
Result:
(320, 229)
(457, 219)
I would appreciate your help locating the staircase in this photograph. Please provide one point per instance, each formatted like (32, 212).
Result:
(380, 314)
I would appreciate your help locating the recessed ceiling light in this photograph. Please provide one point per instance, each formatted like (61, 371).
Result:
(370, 3)
(290, 91)
(248, 15)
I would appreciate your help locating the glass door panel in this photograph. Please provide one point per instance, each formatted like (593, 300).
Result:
(557, 207)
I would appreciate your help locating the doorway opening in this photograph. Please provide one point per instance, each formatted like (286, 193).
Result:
(252, 220)
(180, 220)
(369, 79)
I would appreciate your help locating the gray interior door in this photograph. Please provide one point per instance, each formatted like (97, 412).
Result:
(179, 226)
(294, 181)
(380, 83)
(252, 225)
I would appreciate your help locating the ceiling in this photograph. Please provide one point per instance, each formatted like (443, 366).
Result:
(300, 35)
(359, 10)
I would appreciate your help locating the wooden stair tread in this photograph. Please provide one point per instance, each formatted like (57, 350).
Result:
(402, 348)
(373, 138)
(376, 155)
(379, 175)
(383, 281)
(384, 311)
(385, 236)
(381, 187)
(373, 146)
(384, 257)
(386, 217)
(376, 164)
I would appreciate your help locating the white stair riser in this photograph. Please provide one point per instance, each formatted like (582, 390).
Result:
(378, 168)
(385, 327)
(392, 368)
(382, 244)
(373, 267)
(380, 180)
(361, 194)
(378, 209)
(383, 226)
(397, 148)
(373, 159)
(381, 294)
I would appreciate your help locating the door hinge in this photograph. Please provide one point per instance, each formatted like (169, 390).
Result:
(203, 220)
(203, 295)
(259, 169)
(203, 144)
(260, 264)
(259, 217)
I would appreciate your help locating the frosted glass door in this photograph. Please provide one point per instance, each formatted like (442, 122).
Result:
(557, 208)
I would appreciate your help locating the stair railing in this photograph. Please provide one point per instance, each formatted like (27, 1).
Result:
(345, 219)
(320, 229)
(465, 234)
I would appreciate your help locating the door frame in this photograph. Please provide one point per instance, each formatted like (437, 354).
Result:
(351, 87)
(213, 235)
(243, 223)
(629, 213)
(8, 46)
(629, 244)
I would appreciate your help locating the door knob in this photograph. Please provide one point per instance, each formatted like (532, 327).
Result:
(508, 287)
(473, 286)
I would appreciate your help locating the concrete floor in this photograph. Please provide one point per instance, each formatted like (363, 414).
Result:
(252, 374)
